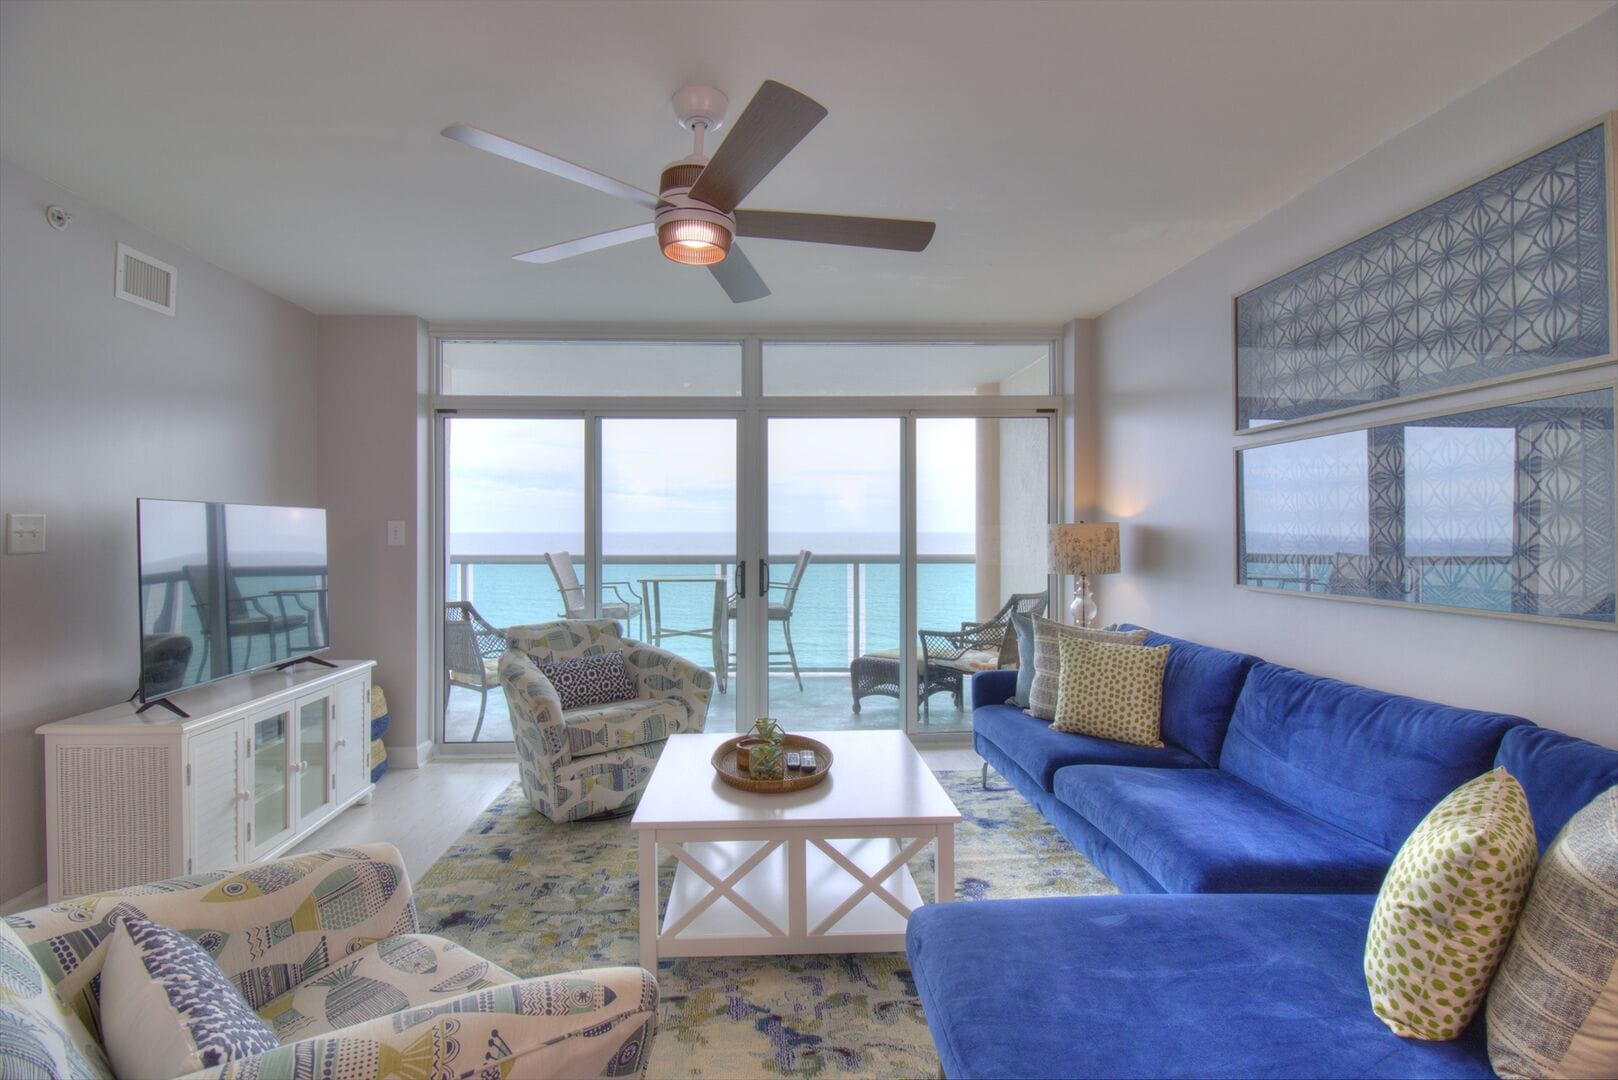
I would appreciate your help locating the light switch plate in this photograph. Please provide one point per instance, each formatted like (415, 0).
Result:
(25, 534)
(396, 534)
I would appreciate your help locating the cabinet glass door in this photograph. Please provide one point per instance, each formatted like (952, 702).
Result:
(314, 757)
(272, 803)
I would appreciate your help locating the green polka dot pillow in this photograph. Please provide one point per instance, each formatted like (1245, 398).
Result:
(1448, 906)
(1111, 691)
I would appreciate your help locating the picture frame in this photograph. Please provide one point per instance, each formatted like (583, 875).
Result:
(1505, 278)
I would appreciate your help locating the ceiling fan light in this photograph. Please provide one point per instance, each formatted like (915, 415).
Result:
(693, 242)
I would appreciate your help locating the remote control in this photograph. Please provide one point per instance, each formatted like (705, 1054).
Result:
(808, 759)
(792, 759)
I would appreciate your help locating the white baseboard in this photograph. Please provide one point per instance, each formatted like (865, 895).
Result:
(410, 757)
(33, 898)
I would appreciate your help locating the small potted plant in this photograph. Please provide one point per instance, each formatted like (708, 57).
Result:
(761, 753)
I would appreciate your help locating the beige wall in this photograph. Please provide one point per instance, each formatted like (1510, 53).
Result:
(102, 402)
(1164, 425)
(373, 469)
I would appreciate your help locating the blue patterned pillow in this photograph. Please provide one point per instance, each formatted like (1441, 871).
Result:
(167, 1009)
(590, 680)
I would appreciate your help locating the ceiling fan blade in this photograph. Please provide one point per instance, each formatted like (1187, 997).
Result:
(584, 244)
(773, 123)
(738, 278)
(895, 234)
(538, 159)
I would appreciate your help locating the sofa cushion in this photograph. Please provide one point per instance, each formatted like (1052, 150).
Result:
(1031, 743)
(1559, 773)
(1369, 762)
(167, 1009)
(601, 728)
(1200, 686)
(1111, 691)
(1204, 830)
(1566, 943)
(1162, 986)
(1447, 908)
(408, 971)
(39, 1036)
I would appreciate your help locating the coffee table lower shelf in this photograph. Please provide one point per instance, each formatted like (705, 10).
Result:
(787, 892)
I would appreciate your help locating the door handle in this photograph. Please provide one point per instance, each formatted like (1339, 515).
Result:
(741, 579)
(764, 578)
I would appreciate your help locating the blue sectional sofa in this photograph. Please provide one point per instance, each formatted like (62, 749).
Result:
(1276, 787)
(1271, 780)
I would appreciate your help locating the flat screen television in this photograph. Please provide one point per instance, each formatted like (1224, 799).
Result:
(227, 588)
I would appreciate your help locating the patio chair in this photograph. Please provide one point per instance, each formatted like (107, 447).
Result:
(472, 648)
(577, 604)
(781, 612)
(946, 657)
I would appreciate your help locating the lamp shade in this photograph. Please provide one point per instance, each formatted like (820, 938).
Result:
(1084, 548)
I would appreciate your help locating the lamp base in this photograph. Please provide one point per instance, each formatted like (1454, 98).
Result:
(1083, 608)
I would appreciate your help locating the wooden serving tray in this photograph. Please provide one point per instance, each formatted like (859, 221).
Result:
(724, 763)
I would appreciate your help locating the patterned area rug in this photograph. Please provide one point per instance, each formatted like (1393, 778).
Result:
(540, 898)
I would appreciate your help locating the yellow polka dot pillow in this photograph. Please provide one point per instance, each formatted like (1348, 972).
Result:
(1111, 691)
(1447, 908)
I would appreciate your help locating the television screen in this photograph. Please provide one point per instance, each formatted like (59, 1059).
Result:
(265, 564)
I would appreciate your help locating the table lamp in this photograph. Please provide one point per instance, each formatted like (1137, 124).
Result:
(1083, 549)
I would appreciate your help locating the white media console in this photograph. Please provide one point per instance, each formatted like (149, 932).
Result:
(263, 760)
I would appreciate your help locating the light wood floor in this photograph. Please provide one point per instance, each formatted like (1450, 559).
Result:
(423, 811)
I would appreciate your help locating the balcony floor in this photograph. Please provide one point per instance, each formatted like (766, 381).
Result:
(824, 704)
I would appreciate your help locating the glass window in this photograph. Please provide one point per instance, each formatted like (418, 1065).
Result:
(593, 368)
(905, 369)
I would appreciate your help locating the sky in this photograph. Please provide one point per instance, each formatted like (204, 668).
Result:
(679, 476)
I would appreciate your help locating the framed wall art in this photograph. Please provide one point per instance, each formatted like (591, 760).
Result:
(1507, 509)
(1508, 277)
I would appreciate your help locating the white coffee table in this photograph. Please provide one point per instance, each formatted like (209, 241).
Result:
(814, 871)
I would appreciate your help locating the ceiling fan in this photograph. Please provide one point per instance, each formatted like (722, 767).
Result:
(694, 214)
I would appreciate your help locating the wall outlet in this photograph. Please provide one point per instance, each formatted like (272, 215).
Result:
(396, 534)
(25, 534)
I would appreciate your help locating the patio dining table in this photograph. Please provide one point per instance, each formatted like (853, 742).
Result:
(718, 631)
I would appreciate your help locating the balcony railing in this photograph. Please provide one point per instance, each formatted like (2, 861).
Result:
(847, 604)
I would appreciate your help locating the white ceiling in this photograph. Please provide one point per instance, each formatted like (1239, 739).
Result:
(1071, 153)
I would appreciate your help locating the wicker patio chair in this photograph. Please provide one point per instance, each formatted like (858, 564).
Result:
(472, 648)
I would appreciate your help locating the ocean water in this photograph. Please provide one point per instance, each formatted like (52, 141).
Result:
(824, 634)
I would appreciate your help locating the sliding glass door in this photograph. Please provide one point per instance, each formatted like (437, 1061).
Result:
(834, 528)
(836, 532)
(514, 493)
(668, 538)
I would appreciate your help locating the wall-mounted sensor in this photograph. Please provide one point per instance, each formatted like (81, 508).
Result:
(57, 217)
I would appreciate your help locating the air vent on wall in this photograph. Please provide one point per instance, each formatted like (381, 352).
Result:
(145, 281)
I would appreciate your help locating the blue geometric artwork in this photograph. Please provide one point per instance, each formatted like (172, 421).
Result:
(1507, 276)
(1509, 508)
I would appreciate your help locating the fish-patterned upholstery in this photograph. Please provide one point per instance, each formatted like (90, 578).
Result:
(580, 763)
(324, 946)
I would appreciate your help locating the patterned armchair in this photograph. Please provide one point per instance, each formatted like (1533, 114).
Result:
(594, 760)
(324, 947)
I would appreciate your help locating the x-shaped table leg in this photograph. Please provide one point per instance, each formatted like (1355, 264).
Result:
(725, 888)
(870, 885)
